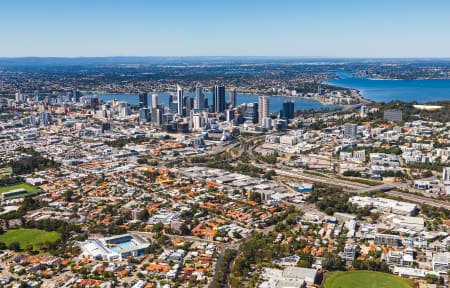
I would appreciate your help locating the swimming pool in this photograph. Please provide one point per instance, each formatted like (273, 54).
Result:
(114, 249)
(122, 246)
(126, 245)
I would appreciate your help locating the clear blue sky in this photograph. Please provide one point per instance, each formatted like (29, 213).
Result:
(331, 28)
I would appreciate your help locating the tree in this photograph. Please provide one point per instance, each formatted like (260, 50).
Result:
(158, 227)
(68, 195)
(143, 215)
(29, 248)
(15, 246)
(184, 229)
(291, 219)
(432, 279)
(142, 161)
(269, 174)
(333, 262)
(255, 196)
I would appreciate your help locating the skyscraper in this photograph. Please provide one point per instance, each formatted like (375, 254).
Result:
(20, 97)
(37, 96)
(45, 118)
(76, 96)
(144, 114)
(251, 112)
(143, 101)
(180, 100)
(154, 100)
(199, 101)
(233, 97)
(219, 98)
(157, 115)
(189, 103)
(287, 112)
(95, 103)
(263, 108)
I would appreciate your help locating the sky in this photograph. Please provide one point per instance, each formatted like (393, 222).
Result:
(311, 28)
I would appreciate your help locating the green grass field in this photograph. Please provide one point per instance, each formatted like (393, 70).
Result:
(30, 189)
(365, 279)
(28, 236)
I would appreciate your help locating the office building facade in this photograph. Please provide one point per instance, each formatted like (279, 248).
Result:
(393, 115)
(218, 99)
(263, 108)
(180, 100)
(350, 130)
(233, 97)
(199, 101)
(143, 100)
(287, 111)
(155, 100)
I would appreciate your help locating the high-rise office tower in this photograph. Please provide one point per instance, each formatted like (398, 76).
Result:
(37, 96)
(320, 90)
(229, 115)
(233, 97)
(263, 108)
(45, 118)
(267, 123)
(157, 115)
(143, 100)
(69, 96)
(180, 100)
(144, 114)
(95, 103)
(20, 97)
(189, 103)
(154, 100)
(287, 112)
(199, 102)
(76, 96)
(251, 112)
(219, 98)
(205, 105)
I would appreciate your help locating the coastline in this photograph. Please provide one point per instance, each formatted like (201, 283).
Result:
(421, 90)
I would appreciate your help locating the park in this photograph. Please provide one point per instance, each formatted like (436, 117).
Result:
(365, 279)
(26, 237)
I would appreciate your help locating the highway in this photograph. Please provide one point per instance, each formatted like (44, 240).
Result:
(360, 188)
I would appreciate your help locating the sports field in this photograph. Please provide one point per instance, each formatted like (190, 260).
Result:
(28, 236)
(29, 188)
(365, 279)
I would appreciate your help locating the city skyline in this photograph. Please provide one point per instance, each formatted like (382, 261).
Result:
(263, 28)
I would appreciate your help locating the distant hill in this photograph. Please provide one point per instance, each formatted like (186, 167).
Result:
(192, 60)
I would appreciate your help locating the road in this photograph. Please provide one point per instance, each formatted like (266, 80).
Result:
(352, 186)
(233, 245)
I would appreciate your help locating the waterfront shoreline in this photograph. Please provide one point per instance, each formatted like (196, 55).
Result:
(384, 91)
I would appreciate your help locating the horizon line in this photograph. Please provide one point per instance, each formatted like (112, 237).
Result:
(229, 56)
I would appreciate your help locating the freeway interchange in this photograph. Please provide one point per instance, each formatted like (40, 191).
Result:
(388, 188)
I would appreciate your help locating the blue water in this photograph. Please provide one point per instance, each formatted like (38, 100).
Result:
(424, 90)
(276, 102)
(121, 246)
(114, 249)
(126, 245)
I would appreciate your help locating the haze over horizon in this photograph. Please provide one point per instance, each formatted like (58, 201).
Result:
(322, 29)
